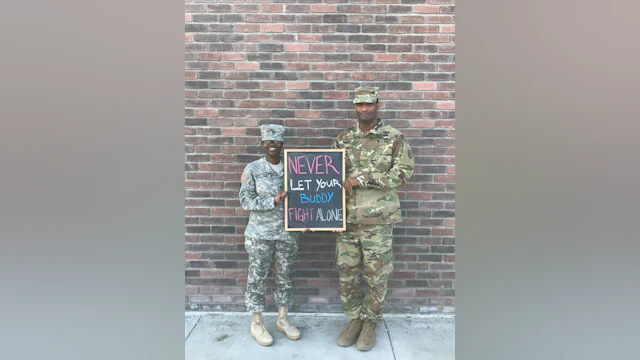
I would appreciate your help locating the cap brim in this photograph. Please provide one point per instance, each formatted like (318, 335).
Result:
(357, 101)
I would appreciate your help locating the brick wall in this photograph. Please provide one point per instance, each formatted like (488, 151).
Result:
(296, 63)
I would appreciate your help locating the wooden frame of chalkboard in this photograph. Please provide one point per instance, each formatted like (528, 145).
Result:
(306, 207)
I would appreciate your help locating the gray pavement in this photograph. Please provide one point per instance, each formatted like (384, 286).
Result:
(225, 336)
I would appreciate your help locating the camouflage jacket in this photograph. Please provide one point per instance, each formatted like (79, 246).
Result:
(259, 185)
(381, 160)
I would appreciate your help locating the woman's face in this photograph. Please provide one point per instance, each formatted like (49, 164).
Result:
(272, 147)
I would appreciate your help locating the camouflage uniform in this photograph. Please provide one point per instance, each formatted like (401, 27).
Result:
(381, 160)
(265, 237)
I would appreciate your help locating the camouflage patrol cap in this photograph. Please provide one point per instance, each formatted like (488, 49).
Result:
(272, 132)
(366, 94)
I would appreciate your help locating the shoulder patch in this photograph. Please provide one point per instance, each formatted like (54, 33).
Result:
(244, 177)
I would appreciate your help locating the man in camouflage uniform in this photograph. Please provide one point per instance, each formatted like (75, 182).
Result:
(262, 193)
(378, 160)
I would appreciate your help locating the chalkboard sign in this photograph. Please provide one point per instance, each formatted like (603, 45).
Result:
(313, 179)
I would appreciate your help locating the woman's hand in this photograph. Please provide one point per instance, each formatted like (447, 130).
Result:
(280, 195)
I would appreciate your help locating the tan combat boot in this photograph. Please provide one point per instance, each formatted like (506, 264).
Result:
(284, 326)
(258, 331)
(367, 336)
(348, 336)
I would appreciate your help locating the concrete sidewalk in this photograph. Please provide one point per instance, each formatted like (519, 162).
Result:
(210, 336)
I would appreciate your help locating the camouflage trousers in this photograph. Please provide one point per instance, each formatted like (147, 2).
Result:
(364, 250)
(262, 254)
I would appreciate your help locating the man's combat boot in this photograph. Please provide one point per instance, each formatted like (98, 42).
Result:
(348, 336)
(367, 336)
(284, 326)
(258, 331)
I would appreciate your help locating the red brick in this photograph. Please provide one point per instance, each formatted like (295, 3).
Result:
(309, 37)
(233, 131)
(426, 9)
(446, 123)
(235, 273)
(423, 123)
(360, 19)
(403, 292)
(336, 95)
(444, 178)
(220, 66)
(374, 9)
(441, 231)
(207, 112)
(412, 20)
(192, 256)
(448, 29)
(257, 37)
(425, 86)
(319, 282)
(298, 66)
(450, 222)
(296, 47)
(404, 274)
(211, 273)
(247, 28)
(310, 57)
(233, 56)
(232, 149)
(323, 67)
(308, 113)
(400, 29)
(198, 211)
(187, 17)
(246, 9)
(413, 58)
(362, 76)
(248, 103)
(322, 47)
(246, 66)
(451, 169)
(286, 94)
(272, 27)
(273, 8)
(427, 293)
(188, 37)
(323, 8)
(297, 85)
(253, 18)
(190, 75)
(446, 105)
(387, 57)
(209, 56)
(440, 19)
(273, 103)
(271, 85)
(438, 38)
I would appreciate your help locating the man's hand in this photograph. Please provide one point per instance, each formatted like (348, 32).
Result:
(279, 196)
(349, 183)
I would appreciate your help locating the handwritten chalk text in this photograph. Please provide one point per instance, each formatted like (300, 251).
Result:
(320, 164)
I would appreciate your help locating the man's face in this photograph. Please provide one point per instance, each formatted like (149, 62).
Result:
(272, 147)
(367, 111)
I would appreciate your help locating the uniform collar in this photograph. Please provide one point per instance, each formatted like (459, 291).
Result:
(375, 131)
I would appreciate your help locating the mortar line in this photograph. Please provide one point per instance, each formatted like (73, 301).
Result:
(389, 336)
(193, 328)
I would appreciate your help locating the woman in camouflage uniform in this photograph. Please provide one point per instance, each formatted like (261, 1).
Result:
(266, 241)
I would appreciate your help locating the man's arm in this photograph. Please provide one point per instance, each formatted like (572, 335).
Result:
(249, 199)
(402, 168)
